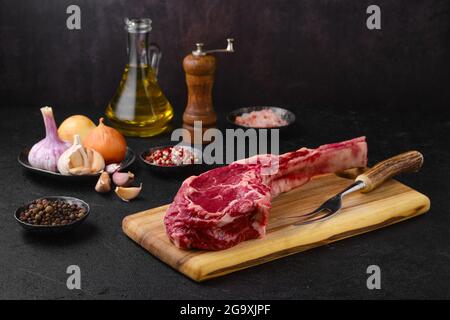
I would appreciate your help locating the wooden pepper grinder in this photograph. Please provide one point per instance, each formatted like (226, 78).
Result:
(199, 67)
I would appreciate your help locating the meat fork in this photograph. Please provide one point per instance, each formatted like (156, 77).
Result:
(410, 161)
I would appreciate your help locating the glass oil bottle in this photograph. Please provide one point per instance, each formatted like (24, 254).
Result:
(139, 107)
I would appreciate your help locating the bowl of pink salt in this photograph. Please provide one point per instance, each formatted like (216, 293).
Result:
(261, 117)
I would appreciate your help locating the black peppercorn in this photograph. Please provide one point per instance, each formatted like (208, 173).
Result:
(49, 212)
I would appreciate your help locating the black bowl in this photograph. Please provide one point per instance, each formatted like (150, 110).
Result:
(23, 160)
(182, 170)
(53, 229)
(285, 114)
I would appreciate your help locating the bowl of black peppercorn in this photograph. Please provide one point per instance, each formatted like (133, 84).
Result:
(52, 214)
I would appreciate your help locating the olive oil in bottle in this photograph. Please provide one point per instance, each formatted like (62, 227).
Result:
(139, 107)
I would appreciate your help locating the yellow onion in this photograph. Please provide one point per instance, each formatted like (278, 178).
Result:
(109, 142)
(77, 124)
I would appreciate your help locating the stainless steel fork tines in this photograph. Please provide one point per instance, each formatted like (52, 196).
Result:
(328, 208)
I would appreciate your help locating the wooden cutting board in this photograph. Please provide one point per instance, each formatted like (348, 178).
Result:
(392, 202)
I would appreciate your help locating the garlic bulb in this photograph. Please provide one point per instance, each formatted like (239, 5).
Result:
(80, 161)
(45, 153)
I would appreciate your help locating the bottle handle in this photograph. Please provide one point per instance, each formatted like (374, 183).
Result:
(154, 56)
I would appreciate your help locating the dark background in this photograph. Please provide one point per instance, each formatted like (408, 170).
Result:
(315, 57)
(297, 53)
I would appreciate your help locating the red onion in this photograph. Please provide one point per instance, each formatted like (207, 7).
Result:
(45, 153)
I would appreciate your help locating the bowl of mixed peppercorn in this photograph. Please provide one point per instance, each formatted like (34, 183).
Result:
(173, 159)
(52, 214)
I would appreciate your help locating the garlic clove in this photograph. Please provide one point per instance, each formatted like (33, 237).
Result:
(123, 179)
(75, 158)
(104, 183)
(113, 167)
(80, 171)
(82, 152)
(127, 194)
(96, 161)
(63, 164)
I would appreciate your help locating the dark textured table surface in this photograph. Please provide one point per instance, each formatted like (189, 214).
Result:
(414, 256)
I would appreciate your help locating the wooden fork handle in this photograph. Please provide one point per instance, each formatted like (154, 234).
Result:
(410, 161)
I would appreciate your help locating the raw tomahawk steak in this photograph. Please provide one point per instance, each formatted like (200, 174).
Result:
(224, 206)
